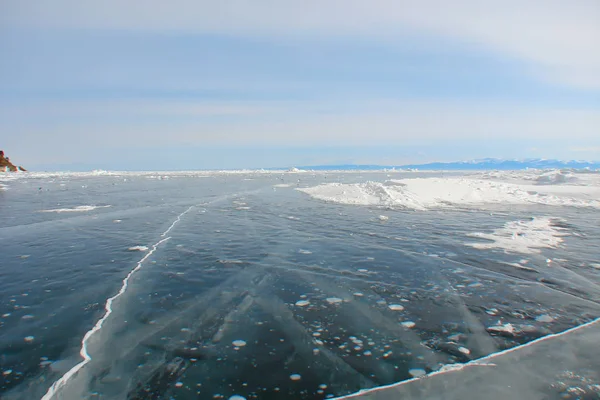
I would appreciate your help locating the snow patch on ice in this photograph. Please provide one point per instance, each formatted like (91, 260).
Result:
(545, 318)
(74, 209)
(396, 307)
(555, 177)
(417, 372)
(519, 266)
(545, 177)
(502, 329)
(523, 236)
(138, 248)
(296, 170)
(427, 193)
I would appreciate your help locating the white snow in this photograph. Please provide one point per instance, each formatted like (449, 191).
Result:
(333, 300)
(437, 192)
(544, 318)
(396, 307)
(74, 209)
(302, 303)
(296, 170)
(416, 372)
(523, 236)
(408, 324)
(295, 377)
(556, 177)
(138, 248)
(239, 343)
(544, 177)
(506, 328)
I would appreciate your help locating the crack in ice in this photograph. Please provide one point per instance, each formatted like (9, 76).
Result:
(56, 386)
(480, 362)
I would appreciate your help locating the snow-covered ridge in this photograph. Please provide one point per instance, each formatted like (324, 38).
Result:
(545, 177)
(435, 192)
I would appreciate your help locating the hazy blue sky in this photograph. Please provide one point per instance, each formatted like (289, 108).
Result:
(185, 84)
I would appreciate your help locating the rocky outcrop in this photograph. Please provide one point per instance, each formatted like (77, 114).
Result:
(6, 165)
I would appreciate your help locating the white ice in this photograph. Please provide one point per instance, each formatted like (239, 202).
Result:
(474, 190)
(396, 307)
(138, 248)
(74, 209)
(523, 236)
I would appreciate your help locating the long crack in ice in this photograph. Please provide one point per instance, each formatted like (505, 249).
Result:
(56, 386)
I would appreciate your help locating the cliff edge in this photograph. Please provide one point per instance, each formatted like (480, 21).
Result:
(5, 164)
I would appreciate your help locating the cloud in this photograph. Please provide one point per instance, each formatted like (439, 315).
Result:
(586, 149)
(116, 109)
(296, 123)
(556, 40)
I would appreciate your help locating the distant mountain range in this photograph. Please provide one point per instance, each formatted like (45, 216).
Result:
(483, 164)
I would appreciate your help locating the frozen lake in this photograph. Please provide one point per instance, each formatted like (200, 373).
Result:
(216, 285)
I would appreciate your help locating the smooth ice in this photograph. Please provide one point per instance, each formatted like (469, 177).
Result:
(236, 285)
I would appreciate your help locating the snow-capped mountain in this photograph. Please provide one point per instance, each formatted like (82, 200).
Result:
(483, 164)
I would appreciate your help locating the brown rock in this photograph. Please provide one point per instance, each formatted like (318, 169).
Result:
(5, 164)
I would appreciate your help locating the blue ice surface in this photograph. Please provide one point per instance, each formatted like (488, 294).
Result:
(232, 256)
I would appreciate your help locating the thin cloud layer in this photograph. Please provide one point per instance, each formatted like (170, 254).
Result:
(556, 40)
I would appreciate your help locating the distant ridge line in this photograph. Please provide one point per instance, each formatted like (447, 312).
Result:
(485, 164)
